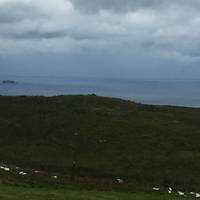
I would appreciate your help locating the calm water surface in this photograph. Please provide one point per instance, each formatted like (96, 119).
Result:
(171, 92)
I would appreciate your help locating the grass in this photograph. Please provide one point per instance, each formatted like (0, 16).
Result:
(105, 138)
(18, 193)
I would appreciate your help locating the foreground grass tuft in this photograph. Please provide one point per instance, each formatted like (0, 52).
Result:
(26, 193)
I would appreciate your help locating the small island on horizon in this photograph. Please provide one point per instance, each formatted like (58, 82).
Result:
(8, 82)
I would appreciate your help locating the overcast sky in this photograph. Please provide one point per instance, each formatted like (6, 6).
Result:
(112, 38)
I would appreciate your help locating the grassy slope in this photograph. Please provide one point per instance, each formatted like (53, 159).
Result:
(106, 137)
(19, 193)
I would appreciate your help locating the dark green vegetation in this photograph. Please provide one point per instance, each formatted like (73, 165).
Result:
(71, 193)
(102, 138)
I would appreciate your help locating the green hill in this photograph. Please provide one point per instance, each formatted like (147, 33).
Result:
(103, 138)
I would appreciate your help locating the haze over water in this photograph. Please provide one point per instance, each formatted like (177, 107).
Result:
(164, 92)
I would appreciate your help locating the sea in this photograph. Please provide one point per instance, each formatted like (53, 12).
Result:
(153, 91)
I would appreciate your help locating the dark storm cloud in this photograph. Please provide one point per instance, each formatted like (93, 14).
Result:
(36, 35)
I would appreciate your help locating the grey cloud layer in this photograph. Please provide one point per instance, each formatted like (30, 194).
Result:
(164, 28)
(15, 12)
(128, 5)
